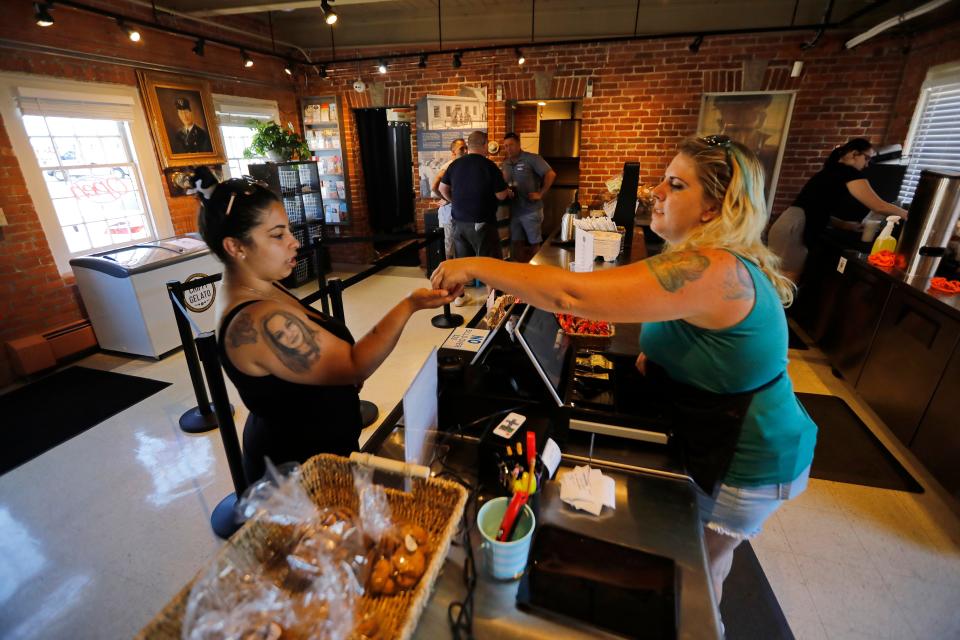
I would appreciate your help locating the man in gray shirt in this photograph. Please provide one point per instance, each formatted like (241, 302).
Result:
(529, 177)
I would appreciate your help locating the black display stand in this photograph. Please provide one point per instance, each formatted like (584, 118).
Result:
(446, 320)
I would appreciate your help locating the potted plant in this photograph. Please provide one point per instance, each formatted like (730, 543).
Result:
(275, 143)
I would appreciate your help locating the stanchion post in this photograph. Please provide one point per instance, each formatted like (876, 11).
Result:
(446, 320)
(199, 419)
(335, 288)
(321, 275)
(224, 519)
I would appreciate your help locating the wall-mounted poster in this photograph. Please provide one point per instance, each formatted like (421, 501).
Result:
(759, 120)
(182, 119)
(440, 121)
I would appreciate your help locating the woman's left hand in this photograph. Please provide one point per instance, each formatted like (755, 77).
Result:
(431, 298)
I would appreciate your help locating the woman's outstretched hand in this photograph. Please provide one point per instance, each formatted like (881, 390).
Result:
(431, 298)
(451, 275)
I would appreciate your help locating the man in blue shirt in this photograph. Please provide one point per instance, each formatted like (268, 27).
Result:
(529, 177)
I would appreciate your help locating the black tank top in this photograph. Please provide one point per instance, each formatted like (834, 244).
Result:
(290, 422)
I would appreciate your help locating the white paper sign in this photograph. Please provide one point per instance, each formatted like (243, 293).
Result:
(465, 339)
(583, 250)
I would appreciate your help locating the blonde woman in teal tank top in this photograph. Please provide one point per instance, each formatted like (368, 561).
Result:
(712, 307)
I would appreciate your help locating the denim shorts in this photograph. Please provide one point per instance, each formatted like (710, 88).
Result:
(526, 227)
(740, 512)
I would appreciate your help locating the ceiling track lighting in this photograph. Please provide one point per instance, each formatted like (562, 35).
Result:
(519, 54)
(41, 13)
(247, 60)
(329, 15)
(288, 68)
(457, 60)
(131, 32)
(382, 67)
(198, 47)
(423, 61)
(695, 45)
(323, 71)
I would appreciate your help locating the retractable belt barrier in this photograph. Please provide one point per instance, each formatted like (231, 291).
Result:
(201, 347)
(201, 418)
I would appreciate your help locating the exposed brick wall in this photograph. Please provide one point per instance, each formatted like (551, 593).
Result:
(646, 96)
(525, 118)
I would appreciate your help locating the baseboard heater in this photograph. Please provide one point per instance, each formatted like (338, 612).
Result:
(41, 351)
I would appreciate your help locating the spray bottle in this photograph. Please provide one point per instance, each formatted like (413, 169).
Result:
(885, 241)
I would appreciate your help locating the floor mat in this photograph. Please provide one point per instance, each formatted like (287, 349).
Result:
(45, 413)
(847, 451)
(749, 607)
(794, 341)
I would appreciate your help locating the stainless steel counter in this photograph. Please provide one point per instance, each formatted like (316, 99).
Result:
(656, 511)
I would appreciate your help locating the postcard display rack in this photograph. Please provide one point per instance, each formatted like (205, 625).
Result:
(298, 185)
(323, 129)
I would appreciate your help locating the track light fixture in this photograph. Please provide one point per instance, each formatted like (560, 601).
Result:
(382, 67)
(41, 13)
(329, 15)
(520, 58)
(423, 61)
(198, 47)
(695, 45)
(457, 60)
(323, 71)
(131, 32)
(288, 68)
(247, 60)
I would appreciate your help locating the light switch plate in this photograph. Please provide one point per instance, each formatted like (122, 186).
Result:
(841, 264)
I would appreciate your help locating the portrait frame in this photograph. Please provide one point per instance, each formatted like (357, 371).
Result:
(162, 94)
(758, 119)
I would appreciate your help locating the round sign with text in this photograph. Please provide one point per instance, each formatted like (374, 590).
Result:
(198, 299)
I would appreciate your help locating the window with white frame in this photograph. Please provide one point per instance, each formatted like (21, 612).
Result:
(934, 138)
(235, 115)
(88, 163)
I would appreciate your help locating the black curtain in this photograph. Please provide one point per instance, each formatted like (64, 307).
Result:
(387, 169)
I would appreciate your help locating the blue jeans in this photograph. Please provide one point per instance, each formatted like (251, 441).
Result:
(740, 512)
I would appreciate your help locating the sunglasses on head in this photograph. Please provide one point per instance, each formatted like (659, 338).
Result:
(245, 186)
(717, 140)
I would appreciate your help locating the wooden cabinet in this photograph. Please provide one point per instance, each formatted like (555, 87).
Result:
(914, 341)
(818, 291)
(937, 443)
(859, 297)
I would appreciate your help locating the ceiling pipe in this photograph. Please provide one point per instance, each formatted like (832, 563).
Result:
(826, 20)
(893, 22)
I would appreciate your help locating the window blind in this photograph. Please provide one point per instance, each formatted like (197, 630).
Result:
(936, 139)
(105, 108)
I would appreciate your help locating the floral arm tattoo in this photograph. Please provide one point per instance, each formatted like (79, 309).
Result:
(242, 331)
(291, 340)
(738, 286)
(673, 270)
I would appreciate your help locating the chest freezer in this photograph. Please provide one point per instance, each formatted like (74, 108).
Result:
(125, 293)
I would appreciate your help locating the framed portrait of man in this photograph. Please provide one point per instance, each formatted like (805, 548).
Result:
(182, 120)
(760, 120)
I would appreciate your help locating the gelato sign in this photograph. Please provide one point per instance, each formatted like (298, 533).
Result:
(201, 298)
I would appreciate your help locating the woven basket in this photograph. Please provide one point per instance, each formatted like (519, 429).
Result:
(591, 341)
(435, 504)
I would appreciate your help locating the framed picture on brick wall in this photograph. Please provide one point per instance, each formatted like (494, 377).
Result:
(759, 120)
(182, 119)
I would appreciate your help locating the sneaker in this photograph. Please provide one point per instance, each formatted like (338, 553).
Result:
(463, 300)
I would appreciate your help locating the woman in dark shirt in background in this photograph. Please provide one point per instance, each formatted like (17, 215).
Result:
(839, 195)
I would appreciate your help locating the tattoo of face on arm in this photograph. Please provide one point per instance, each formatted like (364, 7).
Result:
(291, 339)
(242, 331)
(673, 270)
(738, 285)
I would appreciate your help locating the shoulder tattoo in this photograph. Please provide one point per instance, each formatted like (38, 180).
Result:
(291, 340)
(673, 270)
(242, 331)
(738, 285)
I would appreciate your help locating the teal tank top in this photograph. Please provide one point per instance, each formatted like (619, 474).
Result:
(778, 436)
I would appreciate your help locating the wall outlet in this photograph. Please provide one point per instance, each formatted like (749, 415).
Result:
(841, 265)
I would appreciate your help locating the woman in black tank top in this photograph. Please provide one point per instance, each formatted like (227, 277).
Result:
(297, 370)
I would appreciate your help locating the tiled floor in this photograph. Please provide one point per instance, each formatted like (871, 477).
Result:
(97, 534)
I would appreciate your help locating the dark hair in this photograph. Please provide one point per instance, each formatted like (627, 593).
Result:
(859, 145)
(512, 136)
(249, 203)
